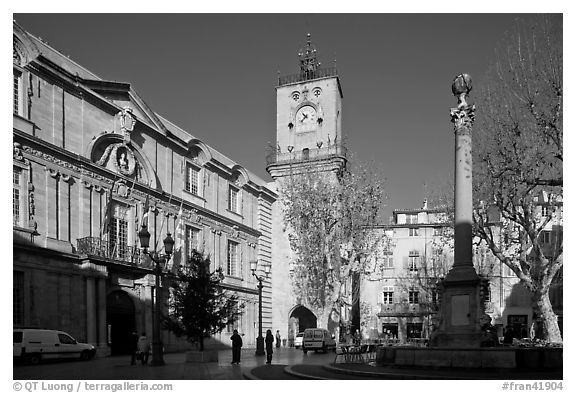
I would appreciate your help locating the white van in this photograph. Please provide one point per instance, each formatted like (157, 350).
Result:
(318, 339)
(33, 345)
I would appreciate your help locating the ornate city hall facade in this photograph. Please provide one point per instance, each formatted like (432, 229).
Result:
(90, 159)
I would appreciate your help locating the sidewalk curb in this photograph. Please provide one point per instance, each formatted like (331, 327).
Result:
(288, 370)
(249, 375)
(389, 375)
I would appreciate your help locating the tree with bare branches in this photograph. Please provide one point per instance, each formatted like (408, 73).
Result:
(518, 158)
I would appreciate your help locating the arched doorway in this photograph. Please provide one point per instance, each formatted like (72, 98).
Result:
(121, 321)
(301, 318)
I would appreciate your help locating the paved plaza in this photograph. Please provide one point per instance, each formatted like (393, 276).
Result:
(287, 364)
(176, 367)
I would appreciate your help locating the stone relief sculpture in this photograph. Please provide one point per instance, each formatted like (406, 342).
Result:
(120, 157)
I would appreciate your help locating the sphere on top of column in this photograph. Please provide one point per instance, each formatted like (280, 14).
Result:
(461, 87)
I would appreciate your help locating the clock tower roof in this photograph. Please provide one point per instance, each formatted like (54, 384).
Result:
(309, 67)
(308, 58)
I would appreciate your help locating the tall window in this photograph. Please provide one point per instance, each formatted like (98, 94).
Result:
(233, 196)
(16, 195)
(388, 260)
(234, 325)
(437, 231)
(18, 301)
(119, 233)
(388, 295)
(413, 231)
(17, 93)
(232, 260)
(413, 258)
(192, 182)
(192, 236)
(546, 237)
(413, 296)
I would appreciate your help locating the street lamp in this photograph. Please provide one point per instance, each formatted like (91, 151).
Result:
(144, 235)
(259, 339)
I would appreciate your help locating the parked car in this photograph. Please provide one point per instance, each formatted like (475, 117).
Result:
(298, 340)
(34, 345)
(318, 339)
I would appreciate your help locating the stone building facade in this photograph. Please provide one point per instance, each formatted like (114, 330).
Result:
(400, 299)
(91, 158)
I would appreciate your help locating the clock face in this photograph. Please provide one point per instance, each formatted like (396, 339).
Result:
(306, 118)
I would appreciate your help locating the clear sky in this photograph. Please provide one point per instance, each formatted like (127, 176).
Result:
(214, 75)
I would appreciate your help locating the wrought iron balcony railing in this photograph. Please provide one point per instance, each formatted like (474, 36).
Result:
(118, 253)
(308, 75)
(276, 157)
(405, 309)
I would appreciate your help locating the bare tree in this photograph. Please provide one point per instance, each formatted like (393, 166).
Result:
(329, 219)
(518, 156)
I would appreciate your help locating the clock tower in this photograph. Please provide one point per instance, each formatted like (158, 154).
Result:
(308, 119)
(308, 140)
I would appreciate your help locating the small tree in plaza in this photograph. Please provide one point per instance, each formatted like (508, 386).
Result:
(199, 306)
(518, 160)
(329, 219)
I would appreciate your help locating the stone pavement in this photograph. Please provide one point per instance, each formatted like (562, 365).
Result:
(369, 372)
(176, 367)
(288, 364)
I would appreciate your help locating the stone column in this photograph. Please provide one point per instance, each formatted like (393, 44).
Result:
(463, 118)
(103, 347)
(460, 309)
(91, 318)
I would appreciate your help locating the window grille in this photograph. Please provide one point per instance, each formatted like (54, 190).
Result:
(388, 295)
(16, 197)
(192, 235)
(16, 98)
(413, 258)
(192, 176)
(233, 199)
(413, 296)
(232, 265)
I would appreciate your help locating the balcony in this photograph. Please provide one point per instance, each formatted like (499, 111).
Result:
(402, 310)
(115, 253)
(307, 76)
(275, 157)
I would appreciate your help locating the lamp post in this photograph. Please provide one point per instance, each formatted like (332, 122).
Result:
(259, 339)
(158, 259)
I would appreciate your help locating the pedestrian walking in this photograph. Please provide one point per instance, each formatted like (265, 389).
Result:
(236, 347)
(269, 344)
(144, 348)
(133, 347)
(278, 338)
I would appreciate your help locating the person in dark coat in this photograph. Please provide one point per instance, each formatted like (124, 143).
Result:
(236, 347)
(133, 347)
(508, 335)
(278, 338)
(269, 344)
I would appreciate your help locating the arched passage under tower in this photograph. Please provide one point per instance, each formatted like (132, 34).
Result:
(300, 319)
